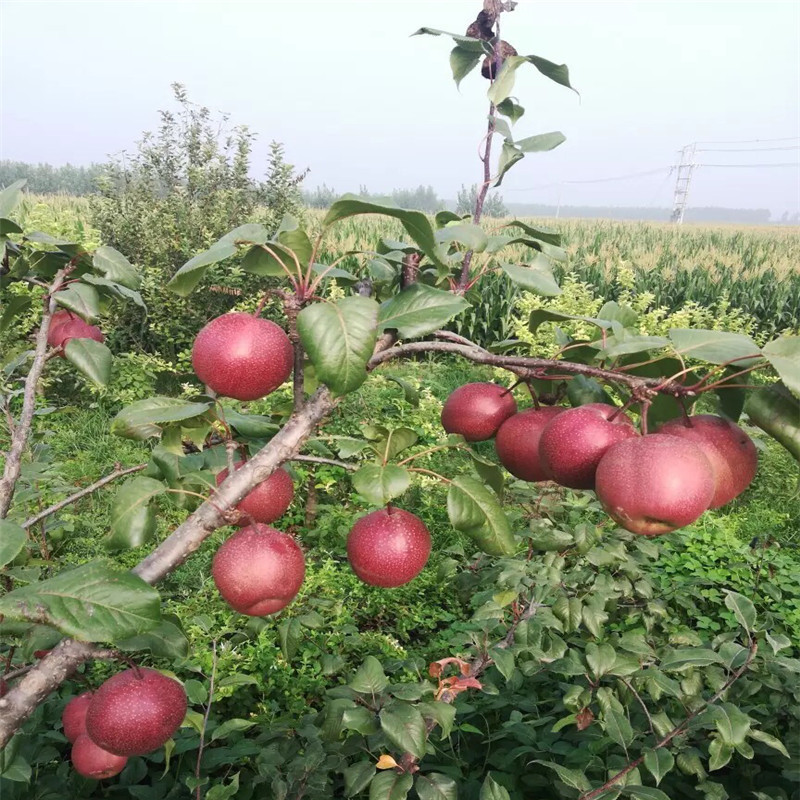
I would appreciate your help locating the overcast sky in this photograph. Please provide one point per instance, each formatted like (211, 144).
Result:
(359, 102)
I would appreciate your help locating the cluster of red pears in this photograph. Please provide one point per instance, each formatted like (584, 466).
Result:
(132, 713)
(650, 484)
(259, 570)
(64, 325)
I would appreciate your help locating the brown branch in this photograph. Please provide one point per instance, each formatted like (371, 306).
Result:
(291, 307)
(67, 656)
(677, 730)
(319, 460)
(533, 367)
(19, 438)
(118, 473)
(486, 158)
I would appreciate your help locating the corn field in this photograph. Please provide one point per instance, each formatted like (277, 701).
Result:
(756, 269)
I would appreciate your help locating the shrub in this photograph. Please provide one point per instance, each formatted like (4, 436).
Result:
(183, 187)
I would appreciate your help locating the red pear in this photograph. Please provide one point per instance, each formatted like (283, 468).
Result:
(73, 718)
(517, 442)
(655, 484)
(65, 326)
(573, 443)
(93, 762)
(241, 356)
(258, 570)
(269, 500)
(730, 450)
(134, 712)
(388, 547)
(477, 410)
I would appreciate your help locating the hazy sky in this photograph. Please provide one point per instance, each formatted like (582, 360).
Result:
(359, 102)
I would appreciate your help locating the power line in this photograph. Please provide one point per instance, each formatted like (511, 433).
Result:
(745, 149)
(755, 141)
(595, 180)
(747, 166)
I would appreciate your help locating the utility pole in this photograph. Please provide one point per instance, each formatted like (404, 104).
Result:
(685, 171)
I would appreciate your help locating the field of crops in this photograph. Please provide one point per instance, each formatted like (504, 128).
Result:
(755, 269)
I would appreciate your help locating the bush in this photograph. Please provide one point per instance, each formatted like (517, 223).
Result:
(183, 188)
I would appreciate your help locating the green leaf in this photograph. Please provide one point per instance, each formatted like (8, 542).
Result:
(777, 641)
(777, 412)
(689, 657)
(410, 392)
(115, 290)
(419, 310)
(624, 344)
(510, 154)
(296, 241)
(436, 786)
(550, 539)
(230, 726)
(339, 339)
(719, 754)
(541, 143)
(743, 609)
(253, 426)
(222, 791)
(81, 299)
(92, 358)
(165, 640)
(716, 347)
(475, 510)
(503, 86)
(369, 678)
(12, 540)
(546, 235)
(489, 473)
(260, 261)
(572, 777)
(14, 305)
(617, 726)
(600, 658)
(659, 763)
(733, 724)
(503, 660)
(468, 42)
(644, 793)
(404, 727)
(784, 355)
(540, 315)
(582, 390)
(133, 519)
(769, 741)
(357, 777)
(11, 197)
(473, 237)
(390, 785)
(570, 611)
(444, 714)
(462, 62)
(536, 276)
(192, 272)
(91, 603)
(389, 443)
(379, 485)
(416, 224)
(7, 227)
(146, 418)
(491, 790)
(249, 233)
(115, 267)
(290, 633)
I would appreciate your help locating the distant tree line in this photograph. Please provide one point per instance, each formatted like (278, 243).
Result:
(750, 216)
(47, 179)
(423, 198)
